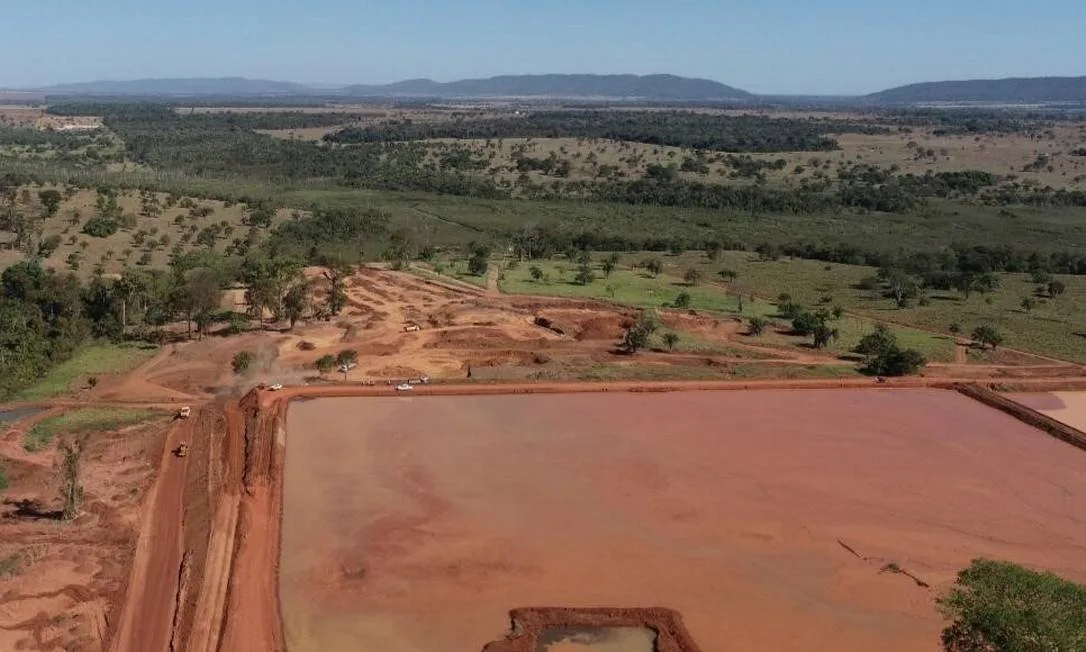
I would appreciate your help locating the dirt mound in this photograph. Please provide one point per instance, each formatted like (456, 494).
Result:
(398, 372)
(608, 327)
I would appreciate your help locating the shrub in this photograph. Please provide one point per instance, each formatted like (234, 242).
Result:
(998, 605)
(242, 362)
(682, 301)
(758, 325)
(100, 227)
(326, 363)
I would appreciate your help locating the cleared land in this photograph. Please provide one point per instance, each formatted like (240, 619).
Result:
(402, 535)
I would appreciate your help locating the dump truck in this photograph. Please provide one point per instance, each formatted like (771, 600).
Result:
(184, 412)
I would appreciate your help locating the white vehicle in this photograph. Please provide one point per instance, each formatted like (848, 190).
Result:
(276, 387)
(412, 328)
(184, 412)
(404, 387)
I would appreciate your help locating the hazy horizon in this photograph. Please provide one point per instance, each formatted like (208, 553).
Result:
(787, 47)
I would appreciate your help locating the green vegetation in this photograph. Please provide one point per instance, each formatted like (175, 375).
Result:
(88, 361)
(15, 563)
(1053, 327)
(638, 287)
(242, 362)
(83, 420)
(1002, 606)
(4, 482)
(736, 371)
(681, 128)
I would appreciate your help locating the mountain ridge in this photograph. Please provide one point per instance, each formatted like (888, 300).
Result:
(1007, 90)
(654, 87)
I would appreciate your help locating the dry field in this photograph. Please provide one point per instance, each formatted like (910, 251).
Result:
(23, 115)
(418, 523)
(1007, 155)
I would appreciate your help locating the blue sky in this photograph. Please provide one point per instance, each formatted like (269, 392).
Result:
(768, 46)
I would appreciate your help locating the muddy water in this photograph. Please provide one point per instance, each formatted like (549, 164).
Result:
(414, 524)
(598, 639)
(1068, 407)
(17, 414)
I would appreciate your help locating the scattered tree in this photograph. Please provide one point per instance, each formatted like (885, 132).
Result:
(1056, 288)
(670, 340)
(637, 336)
(585, 275)
(955, 328)
(987, 335)
(346, 357)
(50, 200)
(884, 357)
(682, 301)
(479, 261)
(692, 276)
(536, 273)
(1028, 304)
(654, 266)
(296, 302)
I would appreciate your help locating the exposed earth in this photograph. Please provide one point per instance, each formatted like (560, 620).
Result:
(183, 553)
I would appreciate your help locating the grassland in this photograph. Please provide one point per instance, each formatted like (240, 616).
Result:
(1055, 326)
(81, 421)
(630, 285)
(90, 361)
(740, 371)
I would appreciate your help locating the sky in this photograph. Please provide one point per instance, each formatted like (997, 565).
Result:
(764, 46)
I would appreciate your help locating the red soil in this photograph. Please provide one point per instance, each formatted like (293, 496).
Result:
(417, 523)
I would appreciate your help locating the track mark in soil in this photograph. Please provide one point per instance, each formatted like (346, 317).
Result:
(889, 567)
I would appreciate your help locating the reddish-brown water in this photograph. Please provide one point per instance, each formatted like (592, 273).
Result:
(764, 517)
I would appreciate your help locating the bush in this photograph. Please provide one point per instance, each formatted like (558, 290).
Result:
(682, 301)
(1002, 606)
(100, 227)
(758, 325)
(326, 363)
(3, 480)
(242, 362)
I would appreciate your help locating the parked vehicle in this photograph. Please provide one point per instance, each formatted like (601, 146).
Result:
(404, 387)
(184, 413)
(276, 387)
(182, 450)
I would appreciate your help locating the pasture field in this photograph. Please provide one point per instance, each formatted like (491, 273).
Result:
(634, 286)
(96, 360)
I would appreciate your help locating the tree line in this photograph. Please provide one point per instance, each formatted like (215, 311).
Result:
(745, 133)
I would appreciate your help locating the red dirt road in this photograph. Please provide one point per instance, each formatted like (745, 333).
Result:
(152, 585)
(417, 524)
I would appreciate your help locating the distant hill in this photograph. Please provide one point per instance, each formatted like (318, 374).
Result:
(650, 87)
(1021, 90)
(225, 86)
